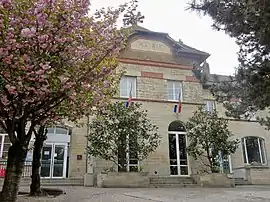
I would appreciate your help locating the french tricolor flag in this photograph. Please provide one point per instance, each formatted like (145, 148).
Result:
(178, 107)
(129, 102)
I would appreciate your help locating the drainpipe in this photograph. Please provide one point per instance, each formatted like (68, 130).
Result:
(87, 132)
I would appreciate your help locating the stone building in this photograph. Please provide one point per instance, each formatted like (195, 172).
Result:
(159, 69)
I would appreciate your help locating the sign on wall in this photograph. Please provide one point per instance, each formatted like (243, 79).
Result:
(150, 45)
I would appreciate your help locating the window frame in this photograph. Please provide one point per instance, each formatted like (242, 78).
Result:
(128, 163)
(54, 130)
(261, 147)
(180, 89)
(207, 107)
(134, 87)
(2, 145)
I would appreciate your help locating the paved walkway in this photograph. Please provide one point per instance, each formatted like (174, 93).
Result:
(83, 194)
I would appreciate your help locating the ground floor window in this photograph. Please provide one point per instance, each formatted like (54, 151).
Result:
(254, 150)
(4, 146)
(127, 154)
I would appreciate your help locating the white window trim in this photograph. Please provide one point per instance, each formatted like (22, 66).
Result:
(213, 105)
(260, 151)
(54, 130)
(178, 154)
(3, 135)
(134, 87)
(181, 91)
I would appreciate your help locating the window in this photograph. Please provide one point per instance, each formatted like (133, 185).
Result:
(127, 154)
(4, 145)
(210, 105)
(127, 84)
(254, 150)
(174, 90)
(57, 130)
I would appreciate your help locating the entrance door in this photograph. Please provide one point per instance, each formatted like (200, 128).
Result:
(178, 154)
(54, 161)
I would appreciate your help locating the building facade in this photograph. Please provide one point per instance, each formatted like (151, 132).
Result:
(159, 71)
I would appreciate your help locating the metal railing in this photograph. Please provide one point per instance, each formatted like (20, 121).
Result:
(27, 171)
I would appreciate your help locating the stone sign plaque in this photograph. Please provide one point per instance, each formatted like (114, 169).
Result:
(150, 45)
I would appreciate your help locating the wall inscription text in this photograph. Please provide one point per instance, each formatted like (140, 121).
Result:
(150, 45)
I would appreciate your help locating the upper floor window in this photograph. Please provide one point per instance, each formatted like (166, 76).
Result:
(174, 89)
(254, 150)
(210, 105)
(127, 86)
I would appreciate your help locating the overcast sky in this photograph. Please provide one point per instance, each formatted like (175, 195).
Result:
(170, 16)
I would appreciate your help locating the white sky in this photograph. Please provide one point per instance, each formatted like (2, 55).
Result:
(170, 16)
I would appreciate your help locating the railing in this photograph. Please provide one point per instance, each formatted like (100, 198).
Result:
(27, 171)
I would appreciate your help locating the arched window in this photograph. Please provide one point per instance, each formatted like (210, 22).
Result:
(58, 130)
(177, 126)
(177, 149)
(254, 150)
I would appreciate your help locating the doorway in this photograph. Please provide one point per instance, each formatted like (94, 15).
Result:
(54, 160)
(179, 165)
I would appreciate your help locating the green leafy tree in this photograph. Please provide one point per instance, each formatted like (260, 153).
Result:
(120, 134)
(248, 22)
(208, 136)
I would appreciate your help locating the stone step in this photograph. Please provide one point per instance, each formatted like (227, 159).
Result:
(171, 180)
(174, 185)
(241, 181)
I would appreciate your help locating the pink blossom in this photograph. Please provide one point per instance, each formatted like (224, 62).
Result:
(28, 33)
(45, 66)
(43, 38)
(4, 100)
(11, 89)
(40, 72)
(8, 59)
(41, 18)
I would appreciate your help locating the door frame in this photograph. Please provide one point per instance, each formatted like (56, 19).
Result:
(52, 159)
(177, 133)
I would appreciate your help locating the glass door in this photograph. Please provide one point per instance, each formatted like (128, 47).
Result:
(54, 161)
(178, 154)
(59, 161)
(46, 161)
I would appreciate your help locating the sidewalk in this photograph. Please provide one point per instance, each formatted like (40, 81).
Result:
(85, 194)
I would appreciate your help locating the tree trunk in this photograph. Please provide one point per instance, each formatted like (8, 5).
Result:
(35, 189)
(15, 165)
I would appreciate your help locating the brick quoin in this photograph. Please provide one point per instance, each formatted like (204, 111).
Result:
(191, 79)
(153, 75)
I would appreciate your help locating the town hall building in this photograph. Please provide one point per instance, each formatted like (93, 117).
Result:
(159, 69)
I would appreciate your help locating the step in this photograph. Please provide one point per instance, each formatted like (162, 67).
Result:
(174, 185)
(241, 181)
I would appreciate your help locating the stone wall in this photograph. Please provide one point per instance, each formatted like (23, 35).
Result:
(77, 156)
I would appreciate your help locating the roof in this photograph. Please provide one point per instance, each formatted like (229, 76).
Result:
(182, 47)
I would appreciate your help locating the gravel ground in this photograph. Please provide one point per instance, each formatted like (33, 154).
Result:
(85, 194)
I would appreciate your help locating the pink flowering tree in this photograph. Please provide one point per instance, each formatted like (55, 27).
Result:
(56, 62)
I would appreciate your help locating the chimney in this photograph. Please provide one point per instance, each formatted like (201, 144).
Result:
(206, 68)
